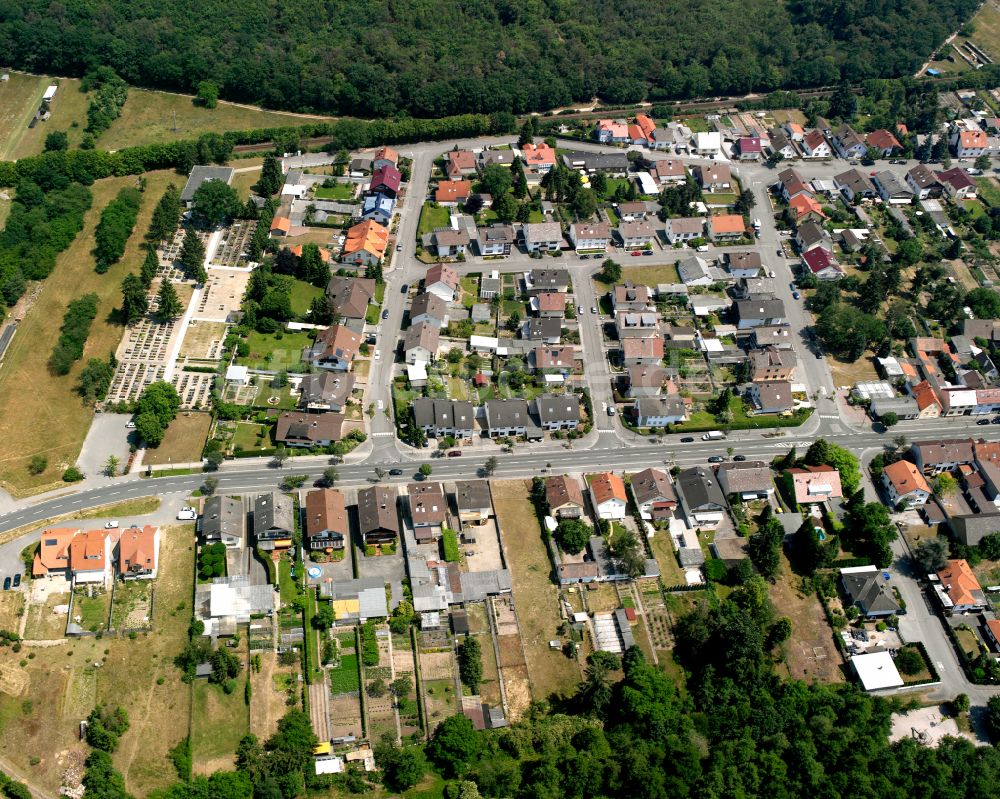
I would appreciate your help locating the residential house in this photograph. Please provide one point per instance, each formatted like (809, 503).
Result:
(378, 206)
(792, 184)
(420, 343)
(384, 156)
(959, 589)
(542, 236)
(945, 455)
(386, 180)
(647, 126)
(547, 280)
(611, 131)
(701, 497)
(549, 304)
(924, 182)
(821, 263)
(854, 185)
(473, 500)
(793, 130)
(497, 239)
(448, 242)
(847, 143)
(429, 308)
(538, 158)
(490, 286)
(609, 163)
(365, 244)
(695, 271)
(377, 518)
(891, 188)
(296, 429)
(273, 521)
(957, 184)
(905, 484)
(428, 510)
(632, 211)
(590, 235)
(646, 381)
(335, 348)
(223, 520)
(326, 524)
(139, 553)
(781, 143)
(363, 166)
(488, 157)
(558, 359)
(970, 142)
(707, 143)
(660, 411)
(459, 164)
(439, 418)
(669, 171)
(507, 417)
(814, 145)
(91, 556)
(642, 351)
(805, 208)
(325, 391)
(52, 555)
(638, 234)
(281, 225)
(443, 281)
(654, 494)
(643, 324)
(771, 397)
(810, 235)
(713, 177)
(726, 227)
(869, 593)
(564, 497)
(200, 175)
(607, 496)
(558, 411)
(350, 296)
(630, 297)
(778, 336)
(548, 330)
(684, 229)
(816, 484)
(883, 141)
(452, 192)
(754, 313)
(743, 264)
(771, 364)
(747, 479)
(748, 148)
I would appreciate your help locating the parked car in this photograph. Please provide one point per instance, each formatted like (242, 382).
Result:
(593, 309)
(113, 525)
(399, 248)
(6, 583)
(612, 410)
(455, 453)
(579, 309)
(716, 458)
(17, 579)
(647, 252)
(378, 355)
(771, 273)
(636, 252)
(187, 514)
(130, 424)
(405, 289)
(739, 457)
(983, 421)
(395, 472)
(385, 314)
(996, 420)
(687, 440)
(796, 295)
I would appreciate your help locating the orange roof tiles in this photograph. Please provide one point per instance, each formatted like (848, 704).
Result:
(53, 551)
(803, 204)
(960, 583)
(451, 191)
(970, 139)
(369, 236)
(727, 223)
(904, 477)
(87, 551)
(646, 125)
(923, 393)
(281, 223)
(137, 550)
(538, 154)
(607, 486)
(324, 253)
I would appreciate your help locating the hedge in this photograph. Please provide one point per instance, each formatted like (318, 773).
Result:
(80, 314)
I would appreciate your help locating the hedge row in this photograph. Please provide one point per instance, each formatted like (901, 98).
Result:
(80, 313)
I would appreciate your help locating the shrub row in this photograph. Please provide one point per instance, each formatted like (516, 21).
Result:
(73, 334)
(112, 233)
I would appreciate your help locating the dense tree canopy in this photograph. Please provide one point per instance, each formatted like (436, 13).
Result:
(434, 57)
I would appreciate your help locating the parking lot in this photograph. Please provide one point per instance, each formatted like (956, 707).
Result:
(107, 436)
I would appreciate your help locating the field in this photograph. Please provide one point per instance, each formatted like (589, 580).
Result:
(302, 296)
(344, 678)
(150, 116)
(246, 437)
(137, 674)
(68, 106)
(989, 190)
(534, 594)
(847, 374)
(43, 623)
(19, 99)
(663, 551)
(184, 440)
(650, 275)
(130, 507)
(11, 609)
(987, 30)
(51, 419)
(91, 608)
(218, 722)
(342, 191)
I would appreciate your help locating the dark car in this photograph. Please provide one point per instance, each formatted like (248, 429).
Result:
(983, 421)
(419, 477)
(405, 289)
(648, 252)
(455, 453)
(395, 472)
(385, 314)
(739, 457)
(996, 420)
(17, 579)
(715, 459)
(6, 583)
(687, 440)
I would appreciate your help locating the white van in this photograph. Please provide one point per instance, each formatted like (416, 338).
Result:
(713, 435)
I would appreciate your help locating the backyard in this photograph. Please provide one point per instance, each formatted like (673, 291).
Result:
(432, 217)
(342, 191)
(183, 441)
(218, 722)
(275, 351)
(302, 296)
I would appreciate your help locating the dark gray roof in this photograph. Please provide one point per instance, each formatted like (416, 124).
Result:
(700, 489)
(223, 517)
(760, 309)
(546, 279)
(273, 515)
(472, 495)
(327, 387)
(377, 509)
(870, 592)
(558, 408)
(442, 413)
(810, 233)
(507, 413)
(535, 328)
(430, 304)
(651, 484)
(610, 161)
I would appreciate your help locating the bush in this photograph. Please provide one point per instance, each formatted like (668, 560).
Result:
(470, 663)
(369, 645)
(449, 543)
(72, 475)
(80, 313)
(909, 661)
(212, 561)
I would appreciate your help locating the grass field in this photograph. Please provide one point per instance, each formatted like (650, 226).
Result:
(302, 296)
(989, 191)
(131, 507)
(344, 678)
(246, 437)
(535, 597)
(91, 612)
(150, 116)
(51, 419)
(11, 609)
(342, 191)
(19, 99)
(431, 217)
(184, 440)
(276, 351)
(218, 722)
(651, 275)
(68, 106)
(987, 30)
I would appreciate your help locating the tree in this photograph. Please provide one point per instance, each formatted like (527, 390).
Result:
(611, 271)
(745, 202)
(193, 257)
(111, 466)
(909, 661)
(323, 618)
(216, 202)
(271, 178)
(166, 215)
(470, 663)
(505, 207)
(945, 484)
(279, 457)
(56, 141)
(150, 266)
(992, 718)
(95, 379)
(889, 419)
(149, 428)
(209, 486)
(425, 469)
(168, 304)
(490, 465)
(984, 302)
(380, 473)
(527, 132)
(585, 203)
(208, 94)
(402, 768)
(764, 546)
(135, 303)
(982, 163)
(595, 693)
(962, 703)
(496, 180)
(931, 554)
(329, 478)
(572, 535)
(599, 183)
(455, 745)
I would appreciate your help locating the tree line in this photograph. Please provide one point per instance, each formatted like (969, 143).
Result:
(112, 232)
(80, 314)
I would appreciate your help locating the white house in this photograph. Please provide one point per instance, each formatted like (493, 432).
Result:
(542, 236)
(590, 235)
(684, 229)
(607, 494)
(904, 483)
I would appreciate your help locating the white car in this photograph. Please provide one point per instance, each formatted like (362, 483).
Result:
(111, 525)
(130, 424)
(378, 355)
(187, 515)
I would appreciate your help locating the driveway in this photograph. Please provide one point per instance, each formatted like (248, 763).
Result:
(107, 436)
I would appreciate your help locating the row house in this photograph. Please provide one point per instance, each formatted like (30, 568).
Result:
(440, 418)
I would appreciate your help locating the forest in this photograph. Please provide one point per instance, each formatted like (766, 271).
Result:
(431, 58)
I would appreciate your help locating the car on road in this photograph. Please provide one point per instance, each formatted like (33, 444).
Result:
(17, 579)
(771, 274)
(405, 289)
(996, 420)
(378, 355)
(716, 458)
(6, 583)
(385, 314)
(636, 252)
(593, 309)
(112, 525)
(796, 295)
(130, 424)
(780, 253)
(579, 309)
(612, 410)
(739, 457)
(687, 440)
(187, 515)
(395, 472)
(399, 248)
(455, 453)
(647, 252)
(419, 477)
(983, 421)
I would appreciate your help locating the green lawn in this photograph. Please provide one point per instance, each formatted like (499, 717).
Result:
(220, 720)
(989, 191)
(92, 612)
(342, 191)
(289, 590)
(431, 218)
(302, 296)
(275, 351)
(721, 198)
(536, 216)
(246, 437)
(372, 314)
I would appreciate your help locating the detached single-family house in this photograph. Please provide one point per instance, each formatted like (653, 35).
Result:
(743, 264)
(442, 280)
(449, 241)
(646, 381)
(684, 229)
(223, 520)
(139, 553)
(771, 364)
(420, 343)
(548, 330)
(429, 308)
(542, 236)
(847, 143)
(273, 520)
(326, 520)
(726, 227)
(781, 144)
(755, 313)
(713, 177)
(296, 429)
(957, 184)
(970, 142)
(459, 164)
(607, 495)
(473, 500)
(632, 211)
(630, 297)
(905, 484)
(771, 397)
(821, 263)
(564, 497)
(810, 235)
(538, 158)
(335, 348)
(558, 359)
(365, 244)
(805, 208)
(707, 143)
(590, 235)
(747, 479)
(558, 411)
(377, 518)
(325, 391)
(654, 494)
(384, 156)
(959, 590)
(870, 593)
(669, 171)
(701, 497)
(815, 484)
(428, 510)
(792, 184)
(638, 351)
(386, 180)
(660, 411)
(883, 141)
(497, 239)
(452, 192)
(923, 181)
(350, 296)
(748, 148)
(815, 145)
(611, 131)
(891, 188)
(854, 185)
(378, 206)
(636, 234)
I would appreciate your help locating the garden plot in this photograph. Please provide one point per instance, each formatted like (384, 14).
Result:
(47, 617)
(132, 606)
(221, 295)
(234, 245)
(694, 375)
(91, 608)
